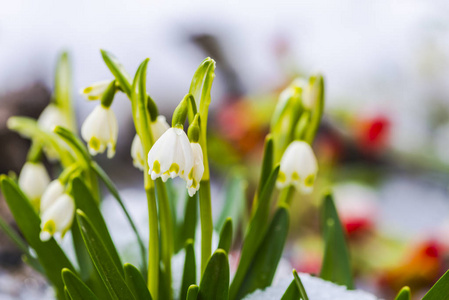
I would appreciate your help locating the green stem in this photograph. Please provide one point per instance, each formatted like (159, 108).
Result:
(286, 196)
(166, 232)
(153, 246)
(206, 223)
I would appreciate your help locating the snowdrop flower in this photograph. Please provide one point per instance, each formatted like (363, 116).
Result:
(57, 218)
(96, 90)
(198, 169)
(53, 116)
(171, 156)
(158, 128)
(100, 130)
(33, 180)
(54, 190)
(298, 167)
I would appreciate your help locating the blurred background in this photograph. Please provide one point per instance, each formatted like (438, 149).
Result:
(383, 145)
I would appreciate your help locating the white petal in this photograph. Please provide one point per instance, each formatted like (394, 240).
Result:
(54, 190)
(101, 126)
(96, 90)
(53, 116)
(137, 153)
(159, 127)
(298, 164)
(33, 181)
(61, 213)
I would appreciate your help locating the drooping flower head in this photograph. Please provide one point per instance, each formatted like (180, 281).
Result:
(158, 128)
(100, 131)
(171, 156)
(33, 180)
(58, 217)
(298, 167)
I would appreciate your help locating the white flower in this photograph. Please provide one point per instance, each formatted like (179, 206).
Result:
(57, 218)
(96, 90)
(158, 128)
(198, 169)
(171, 156)
(33, 181)
(53, 116)
(298, 167)
(54, 190)
(100, 130)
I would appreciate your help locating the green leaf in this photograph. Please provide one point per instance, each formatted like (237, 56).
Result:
(215, 281)
(302, 291)
(136, 283)
(118, 71)
(85, 202)
(187, 228)
(235, 201)
(113, 190)
(226, 236)
(264, 264)
(404, 294)
(439, 290)
(110, 274)
(292, 292)
(189, 274)
(28, 127)
(255, 234)
(336, 265)
(50, 255)
(76, 288)
(267, 163)
(21, 244)
(192, 293)
(197, 83)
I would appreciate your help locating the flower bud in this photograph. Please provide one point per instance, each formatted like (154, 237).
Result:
(299, 167)
(33, 180)
(58, 217)
(100, 130)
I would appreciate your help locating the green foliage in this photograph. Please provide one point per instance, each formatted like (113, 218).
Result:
(302, 291)
(50, 255)
(404, 294)
(75, 287)
(215, 280)
(110, 274)
(440, 290)
(136, 283)
(264, 264)
(255, 234)
(226, 236)
(336, 265)
(189, 274)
